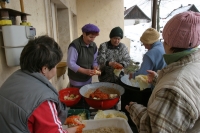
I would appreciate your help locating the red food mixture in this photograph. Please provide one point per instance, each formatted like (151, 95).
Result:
(99, 94)
(118, 66)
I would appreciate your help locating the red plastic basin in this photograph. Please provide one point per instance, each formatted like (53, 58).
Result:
(67, 92)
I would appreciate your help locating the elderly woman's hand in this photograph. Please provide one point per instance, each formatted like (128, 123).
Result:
(151, 75)
(130, 75)
(115, 65)
(72, 129)
(89, 72)
(128, 107)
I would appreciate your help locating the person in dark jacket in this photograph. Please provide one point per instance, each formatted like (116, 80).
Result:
(112, 55)
(153, 58)
(29, 102)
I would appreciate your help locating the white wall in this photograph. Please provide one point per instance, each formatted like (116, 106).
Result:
(106, 14)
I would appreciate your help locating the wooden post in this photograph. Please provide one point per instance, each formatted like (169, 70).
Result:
(3, 5)
(22, 5)
(154, 14)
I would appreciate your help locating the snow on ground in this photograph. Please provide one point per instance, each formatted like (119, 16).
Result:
(134, 32)
(166, 6)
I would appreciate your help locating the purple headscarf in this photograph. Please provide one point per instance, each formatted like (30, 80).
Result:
(90, 28)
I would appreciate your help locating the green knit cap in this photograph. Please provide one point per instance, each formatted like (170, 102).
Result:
(116, 32)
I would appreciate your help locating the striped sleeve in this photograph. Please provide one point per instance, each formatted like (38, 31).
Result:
(169, 113)
(45, 119)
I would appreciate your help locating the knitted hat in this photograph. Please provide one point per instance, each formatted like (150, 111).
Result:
(183, 30)
(150, 36)
(116, 32)
(90, 28)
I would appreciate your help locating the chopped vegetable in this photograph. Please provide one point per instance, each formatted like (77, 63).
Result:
(143, 81)
(71, 97)
(83, 116)
(101, 115)
(75, 120)
(117, 72)
(118, 66)
(98, 94)
(131, 68)
(97, 72)
(111, 96)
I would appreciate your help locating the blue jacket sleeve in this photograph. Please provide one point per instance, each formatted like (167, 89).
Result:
(147, 64)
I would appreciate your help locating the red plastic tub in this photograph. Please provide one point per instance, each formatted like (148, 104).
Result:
(68, 92)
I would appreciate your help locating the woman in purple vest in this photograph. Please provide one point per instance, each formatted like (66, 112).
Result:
(81, 59)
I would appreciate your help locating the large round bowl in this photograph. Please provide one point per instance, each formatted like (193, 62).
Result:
(105, 87)
(133, 93)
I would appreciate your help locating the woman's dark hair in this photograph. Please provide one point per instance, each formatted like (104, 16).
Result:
(39, 52)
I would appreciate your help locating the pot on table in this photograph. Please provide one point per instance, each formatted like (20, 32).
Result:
(133, 93)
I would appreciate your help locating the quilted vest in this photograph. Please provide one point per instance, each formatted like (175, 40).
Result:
(85, 59)
(20, 95)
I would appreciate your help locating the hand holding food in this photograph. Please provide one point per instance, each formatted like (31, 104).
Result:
(92, 72)
(127, 107)
(116, 65)
(130, 75)
(71, 129)
(97, 72)
(75, 120)
(151, 75)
